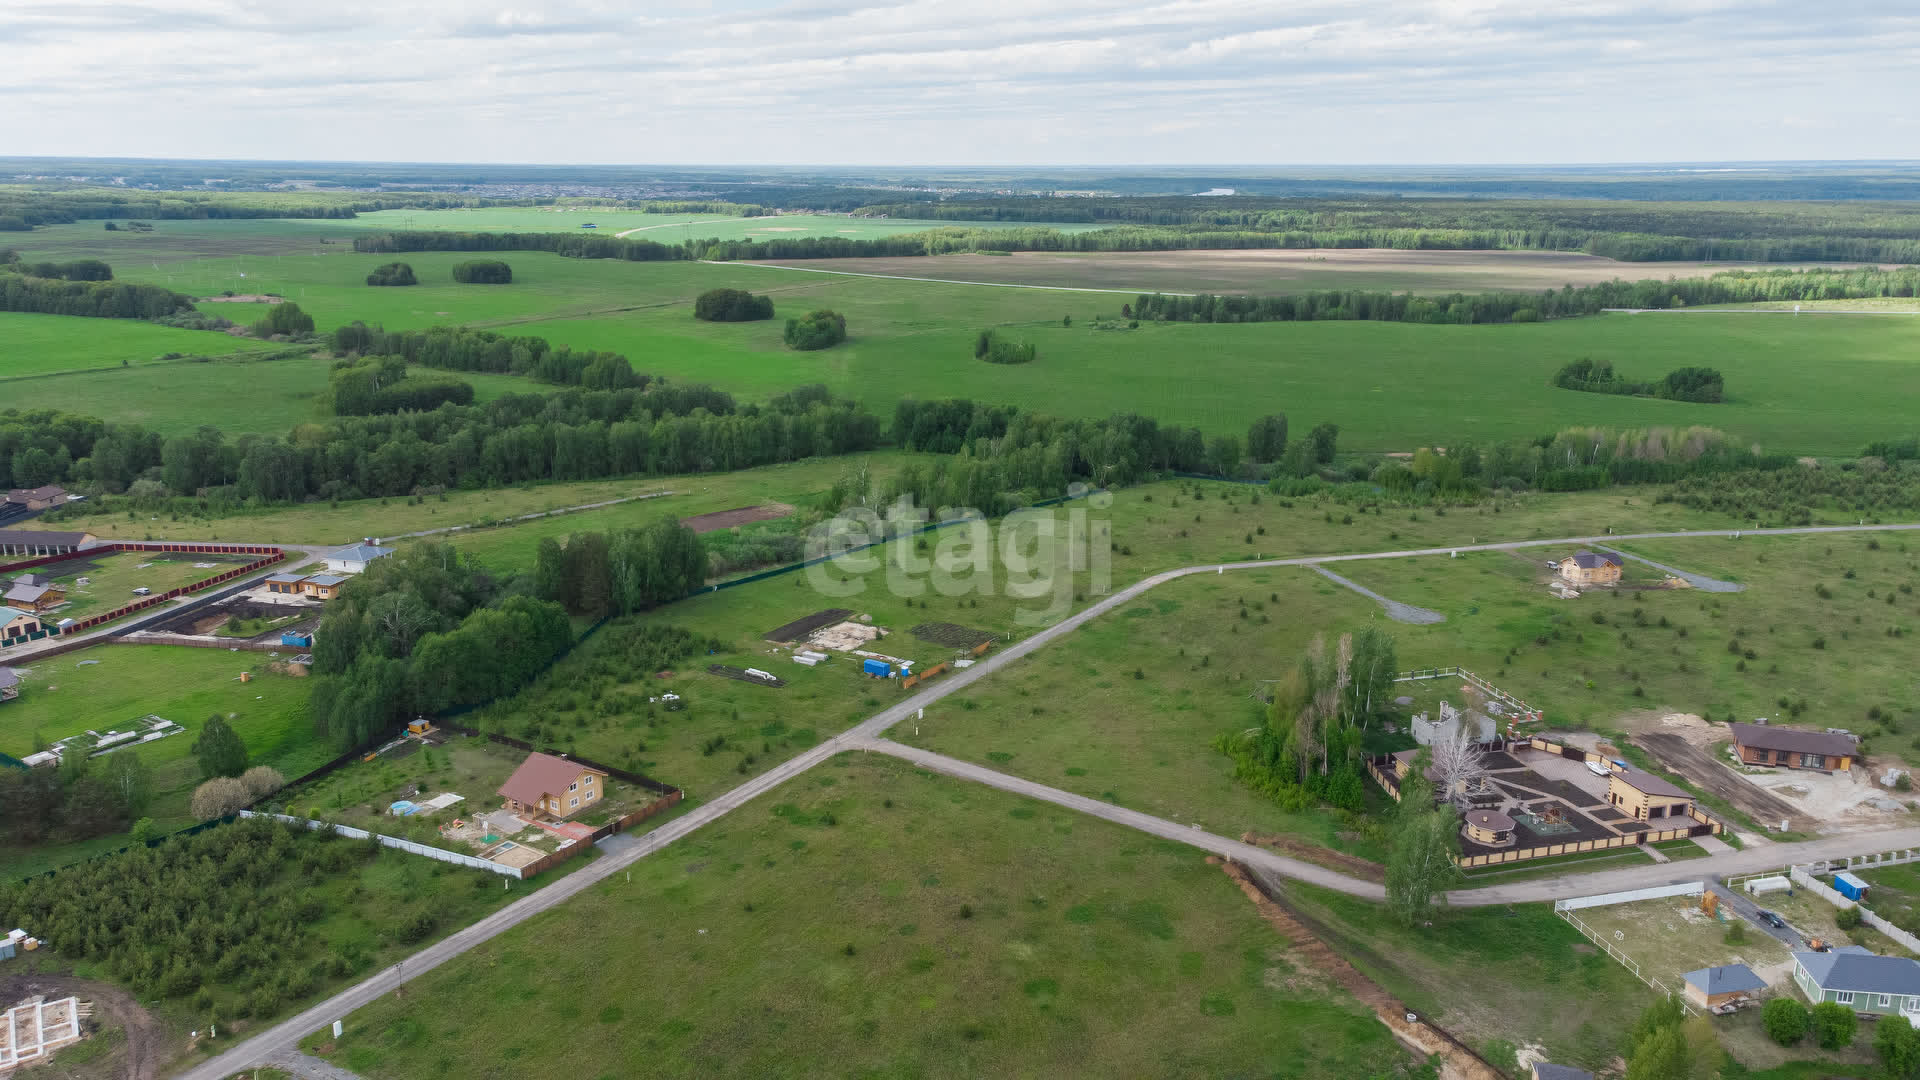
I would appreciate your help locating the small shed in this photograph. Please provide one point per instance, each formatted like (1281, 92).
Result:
(1850, 886)
(1710, 988)
(876, 668)
(297, 639)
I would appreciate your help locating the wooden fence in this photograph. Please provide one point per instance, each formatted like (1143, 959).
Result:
(1526, 711)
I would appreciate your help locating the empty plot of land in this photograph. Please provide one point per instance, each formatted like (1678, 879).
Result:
(800, 628)
(1277, 271)
(1698, 765)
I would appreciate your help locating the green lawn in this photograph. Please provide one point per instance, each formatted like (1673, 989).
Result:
(68, 694)
(46, 344)
(867, 919)
(112, 578)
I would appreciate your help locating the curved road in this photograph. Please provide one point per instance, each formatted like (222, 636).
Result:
(287, 1034)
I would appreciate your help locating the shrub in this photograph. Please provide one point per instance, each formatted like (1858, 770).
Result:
(1736, 933)
(483, 272)
(219, 797)
(1785, 1020)
(393, 273)
(1848, 918)
(994, 349)
(732, 305)
(1833, 1025)
(282, 318)
(816, 330)
(261, 781)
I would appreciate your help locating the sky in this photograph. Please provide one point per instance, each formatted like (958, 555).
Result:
(963, 82)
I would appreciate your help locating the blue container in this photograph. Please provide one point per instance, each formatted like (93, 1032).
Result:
(876, 668)
(302, 641)
(1849, 886)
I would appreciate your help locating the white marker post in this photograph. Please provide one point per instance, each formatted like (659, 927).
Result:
(336, 1029)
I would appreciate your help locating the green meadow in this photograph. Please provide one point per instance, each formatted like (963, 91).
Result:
(108, 686)
(1813, 386)
(50, 344)
(868, 919)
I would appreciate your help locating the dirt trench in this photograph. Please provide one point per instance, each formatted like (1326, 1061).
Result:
(146, 1039)
(1699, 766)
(1457, 1060)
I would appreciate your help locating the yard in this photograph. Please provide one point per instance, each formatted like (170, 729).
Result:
(108, 686)
(1672, 936)
(870, 919)
(111, 579)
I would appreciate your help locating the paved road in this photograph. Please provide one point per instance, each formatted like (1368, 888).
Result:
(1698, 581)
(1397, 611)
(287, 1034)
(308, 1067)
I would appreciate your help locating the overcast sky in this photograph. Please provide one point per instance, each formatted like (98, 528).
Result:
(964, 82)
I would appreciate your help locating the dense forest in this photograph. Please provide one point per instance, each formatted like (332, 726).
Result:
(63, 206)
(23, 289)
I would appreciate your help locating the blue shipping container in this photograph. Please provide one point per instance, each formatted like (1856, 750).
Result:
(1849, 886)
(304, 641)
(876, 668)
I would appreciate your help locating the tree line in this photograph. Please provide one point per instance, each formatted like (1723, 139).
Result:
(460, 349)
(77, 270)
(66, 206)
(1504, 307)
(1701, 385)
(520, 438)
(573, 245)
(382, 385)
(92, 299)
(82, 798)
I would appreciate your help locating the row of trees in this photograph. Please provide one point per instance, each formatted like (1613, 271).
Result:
(1307, 750)
(1702, 385)
(732, 305)
(92, 299)
(77, 270)
(597, 574)
(574, 245)
(461, 349)
(382, 385)
(483, 272)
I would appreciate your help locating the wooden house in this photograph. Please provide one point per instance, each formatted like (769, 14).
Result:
(545, 784)
(1591, 568)
(1764, 744)
(1645, 797)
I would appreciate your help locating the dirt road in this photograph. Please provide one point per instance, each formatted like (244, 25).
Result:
(1698, 765)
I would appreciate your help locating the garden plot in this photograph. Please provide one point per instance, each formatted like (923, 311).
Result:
(1672, 936)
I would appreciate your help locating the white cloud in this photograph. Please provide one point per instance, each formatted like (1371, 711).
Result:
(940, 82)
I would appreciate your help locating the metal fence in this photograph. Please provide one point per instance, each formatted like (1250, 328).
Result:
(1625, 961)
(396, 843)
(1655, 892)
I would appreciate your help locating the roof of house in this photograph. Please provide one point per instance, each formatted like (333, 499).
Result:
(285, 577)
(8, 677)
(1492, 820)
(1644, 781)
(1725, 979)
(541, 775)
(1545, 1071)
(1587, 560)
(21, 495)
(8, 614)
(33, 579)
(1861, 972)
(1792, 740)
(361, 553)
(44, 538)
(27, 594)
(325, 579)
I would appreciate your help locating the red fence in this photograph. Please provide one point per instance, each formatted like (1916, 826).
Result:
(268, 556)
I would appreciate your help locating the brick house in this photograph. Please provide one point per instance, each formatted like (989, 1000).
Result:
(544, 784)
(1764, 744)
(40, 498)
(16, 625)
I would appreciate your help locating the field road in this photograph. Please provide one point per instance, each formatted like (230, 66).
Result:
(671, 225)
(288, 1033)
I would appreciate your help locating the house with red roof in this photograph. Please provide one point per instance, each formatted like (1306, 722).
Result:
(554, 786)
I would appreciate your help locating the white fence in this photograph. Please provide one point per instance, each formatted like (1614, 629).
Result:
(1657, 892)
(408, 846)
(1900, 937)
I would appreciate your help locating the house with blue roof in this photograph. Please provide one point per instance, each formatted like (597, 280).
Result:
(1866, 983)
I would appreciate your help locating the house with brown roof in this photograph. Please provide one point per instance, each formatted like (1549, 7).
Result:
(40, 498)
(1591, 568)
(34, 543)
(31, 592)
(1764, 744)
(545, 784)
(1645, 797)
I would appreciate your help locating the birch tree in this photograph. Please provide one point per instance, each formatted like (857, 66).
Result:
(1458, 764)
(1420, 864)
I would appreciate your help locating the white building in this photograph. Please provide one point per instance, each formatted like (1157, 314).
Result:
(354, 560)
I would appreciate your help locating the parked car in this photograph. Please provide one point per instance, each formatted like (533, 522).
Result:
(143, 591)
(1598, 769)
(1773, 920)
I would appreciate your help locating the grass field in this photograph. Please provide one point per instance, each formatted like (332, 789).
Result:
(870, 920)
(1389, 386)
(67, 695)
(111, 579)
(236, 395)
(47, 344)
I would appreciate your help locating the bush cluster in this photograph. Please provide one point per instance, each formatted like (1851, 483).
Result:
(732, 305)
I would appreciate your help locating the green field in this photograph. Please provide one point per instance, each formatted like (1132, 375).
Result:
(109, 685)
(239, 396)
(867, 919)
(1819, 386)
(111, 579)
(47, 344)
